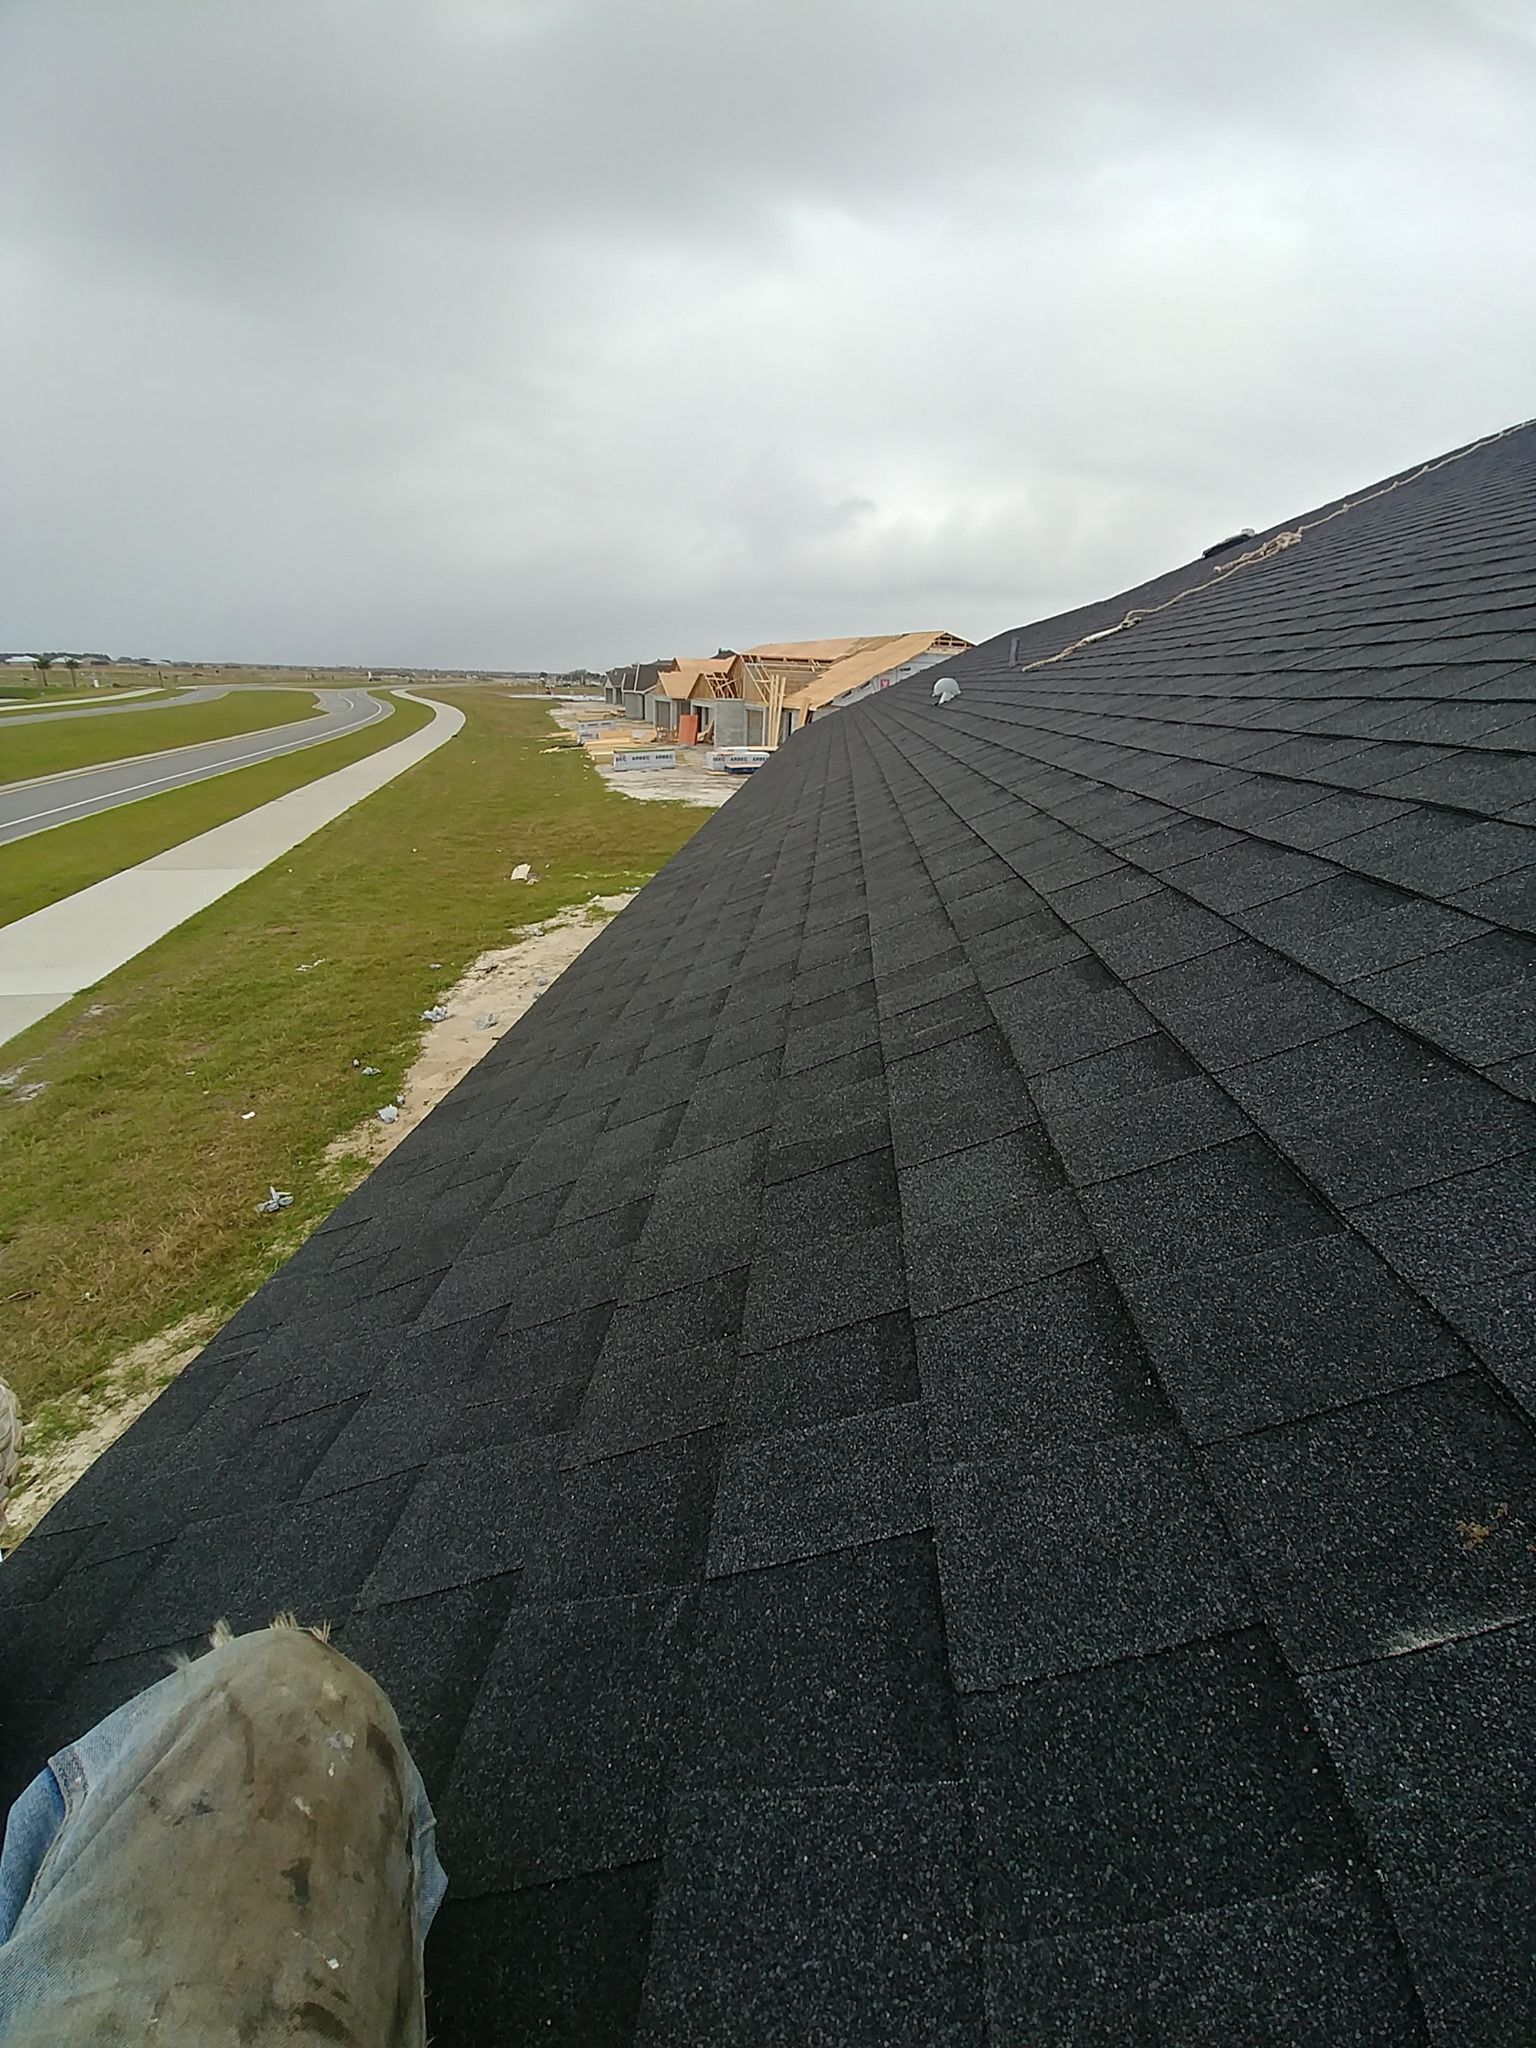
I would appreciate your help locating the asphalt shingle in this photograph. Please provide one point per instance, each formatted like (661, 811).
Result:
(1380, 1527)
(558, 1962)
(1181, 1782)
(1080, 1556)
(805, 1491)
(836, 1914)
(1327, 1950)
(1435, 1750)
(822, 1378)
(828, 1670)
(1053, 1362)
(560, 1768)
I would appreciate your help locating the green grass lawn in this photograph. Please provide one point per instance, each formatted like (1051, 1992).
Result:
(62, 743)
(128, 1187)
(47, 866)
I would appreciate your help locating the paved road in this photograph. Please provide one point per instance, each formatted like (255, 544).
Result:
(71, 945)
(203, 694)
(26, 808)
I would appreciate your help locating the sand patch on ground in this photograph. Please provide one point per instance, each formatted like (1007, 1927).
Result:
(96, 1418)
(500, 986)
(689, 782)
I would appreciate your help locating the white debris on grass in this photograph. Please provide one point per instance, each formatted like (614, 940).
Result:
(277, 1198)
(500, 985)
(28, 1091)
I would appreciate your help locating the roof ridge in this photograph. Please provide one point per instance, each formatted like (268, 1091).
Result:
(1276, 544)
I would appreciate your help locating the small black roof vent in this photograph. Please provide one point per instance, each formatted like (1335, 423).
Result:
(1232, 540)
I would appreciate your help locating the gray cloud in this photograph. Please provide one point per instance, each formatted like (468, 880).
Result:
(576, 329)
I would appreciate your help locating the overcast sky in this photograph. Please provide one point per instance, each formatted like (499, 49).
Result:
(569, 331)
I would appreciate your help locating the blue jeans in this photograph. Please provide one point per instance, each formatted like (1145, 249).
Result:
(244, 1853)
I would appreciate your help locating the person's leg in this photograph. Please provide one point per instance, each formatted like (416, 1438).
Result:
(243, 1854)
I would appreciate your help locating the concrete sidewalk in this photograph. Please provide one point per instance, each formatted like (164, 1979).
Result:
(55, 953)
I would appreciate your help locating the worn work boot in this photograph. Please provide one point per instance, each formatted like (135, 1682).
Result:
(241, 1858)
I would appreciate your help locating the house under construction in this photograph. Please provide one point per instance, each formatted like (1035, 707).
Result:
(759, 697)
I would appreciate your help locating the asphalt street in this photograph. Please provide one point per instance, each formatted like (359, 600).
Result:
(26, 808)
(203, 694)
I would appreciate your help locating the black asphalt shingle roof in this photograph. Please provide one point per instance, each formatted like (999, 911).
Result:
(940, 1446)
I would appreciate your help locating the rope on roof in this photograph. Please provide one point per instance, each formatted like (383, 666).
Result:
(1276, 545)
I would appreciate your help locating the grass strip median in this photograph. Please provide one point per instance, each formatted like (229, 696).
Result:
(129, 1181)
(48, 866)
(57, 745)
(78, 700)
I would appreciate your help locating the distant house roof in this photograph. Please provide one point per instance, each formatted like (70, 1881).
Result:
(869, 662)
(816, 650)
(636, 676)
(698, 675)
(940, 1444)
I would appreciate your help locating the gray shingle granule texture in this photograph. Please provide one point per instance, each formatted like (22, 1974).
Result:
(940, 1446)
